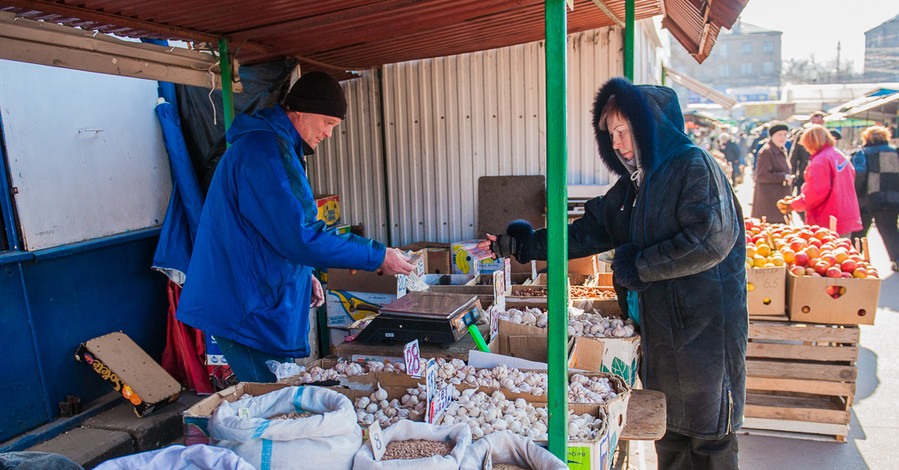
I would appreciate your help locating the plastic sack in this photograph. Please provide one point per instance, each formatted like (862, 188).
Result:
(178, 457)
(509, 448)
(328, 439)
(404, 430)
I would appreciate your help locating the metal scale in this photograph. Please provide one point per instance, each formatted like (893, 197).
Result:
(430, 317)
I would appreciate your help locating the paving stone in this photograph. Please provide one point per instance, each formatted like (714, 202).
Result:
(89, 447)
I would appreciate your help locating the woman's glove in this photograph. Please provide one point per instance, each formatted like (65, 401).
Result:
(519, 235)
(624, 267)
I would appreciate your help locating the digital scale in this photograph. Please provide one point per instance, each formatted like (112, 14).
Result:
(430, 317)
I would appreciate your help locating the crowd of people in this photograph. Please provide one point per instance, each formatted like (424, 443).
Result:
(804, 170)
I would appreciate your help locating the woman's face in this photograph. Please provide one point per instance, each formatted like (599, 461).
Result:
(620, 131)
(779, 138)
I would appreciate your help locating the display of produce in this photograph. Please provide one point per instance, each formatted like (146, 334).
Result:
(805, 251)
(416, 449)
(574, 292)
(580, 323)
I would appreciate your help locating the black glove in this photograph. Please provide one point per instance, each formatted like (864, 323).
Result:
(504, 246)
(624, 267)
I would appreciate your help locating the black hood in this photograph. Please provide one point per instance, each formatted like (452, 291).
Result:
(656, 124)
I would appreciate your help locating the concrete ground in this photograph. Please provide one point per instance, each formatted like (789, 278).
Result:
(872, 441)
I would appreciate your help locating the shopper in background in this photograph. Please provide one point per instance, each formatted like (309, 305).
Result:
(773, 176)
(877, 186)
(799, 155)
(829, 188)
(250, 283)
(679, 267)
(731, 151)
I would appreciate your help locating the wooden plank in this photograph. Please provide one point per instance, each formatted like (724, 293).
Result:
(646, 416)
(782, 318)
(795, 429)
(803, 332)
(802, 352)
(799, 370)
(801, 386)
(816, 410)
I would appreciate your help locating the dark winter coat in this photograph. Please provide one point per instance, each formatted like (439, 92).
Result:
(771, 169)
(877, 177)
(680, 237)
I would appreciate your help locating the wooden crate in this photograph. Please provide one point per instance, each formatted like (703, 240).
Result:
(800, 379)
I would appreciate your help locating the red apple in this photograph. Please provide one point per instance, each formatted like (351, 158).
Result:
(848, 265)
(821, 267)
(801, 258)
(798, 271)
(847, 275)
(834, 271)
(829, 258)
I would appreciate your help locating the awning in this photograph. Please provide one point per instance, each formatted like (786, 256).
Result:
(702, 89)
(883, 108)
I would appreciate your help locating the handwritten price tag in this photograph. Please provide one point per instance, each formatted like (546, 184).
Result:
(378, 446)
(441, 402)
(431, 385)
(493, 311)
(412, 355)
(499, 289)
(507, 267)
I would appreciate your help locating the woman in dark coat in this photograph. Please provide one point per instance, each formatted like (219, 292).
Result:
(680, 249)
(773, 176)
(877, 187)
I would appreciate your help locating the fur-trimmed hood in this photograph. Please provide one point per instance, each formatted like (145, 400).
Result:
(656, 124)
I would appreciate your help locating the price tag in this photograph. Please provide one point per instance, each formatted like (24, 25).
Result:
(499, 290)
(412, 355)
(431, 385)
(441, 402)
(533, 270)
(378, 446)
(494, 321)
(507, 267)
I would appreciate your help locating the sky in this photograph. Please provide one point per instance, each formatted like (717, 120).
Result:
(813, 27)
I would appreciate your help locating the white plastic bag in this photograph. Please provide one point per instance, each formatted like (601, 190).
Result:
(178, 457)
(511, 449)
(404, 430)
(328, 439)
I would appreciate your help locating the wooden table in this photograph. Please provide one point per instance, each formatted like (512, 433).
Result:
(646, 416)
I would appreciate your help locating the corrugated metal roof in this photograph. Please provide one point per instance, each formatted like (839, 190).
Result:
(361, 34)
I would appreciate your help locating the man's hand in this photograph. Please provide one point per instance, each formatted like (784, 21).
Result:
(318, 294)
(784, 205)
(487, 244)
(395, 262)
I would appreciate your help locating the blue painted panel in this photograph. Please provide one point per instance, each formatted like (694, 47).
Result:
(21, 394)
(88, 294)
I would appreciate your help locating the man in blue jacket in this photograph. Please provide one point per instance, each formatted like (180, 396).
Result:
(250, 283)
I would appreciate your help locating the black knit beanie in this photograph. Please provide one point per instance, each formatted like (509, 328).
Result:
(319, 93)
(776, 126)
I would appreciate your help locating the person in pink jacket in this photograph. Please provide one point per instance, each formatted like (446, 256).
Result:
(829, 187)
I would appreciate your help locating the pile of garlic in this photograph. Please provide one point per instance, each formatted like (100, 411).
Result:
(487, 413)
(590, 325)
(582, 389)
(347, 369)
(376, 407)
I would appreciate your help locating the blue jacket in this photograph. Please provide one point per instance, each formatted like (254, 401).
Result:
(681, 233)
(249, 278)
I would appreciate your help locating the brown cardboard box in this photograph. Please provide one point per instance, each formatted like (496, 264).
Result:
(767, 291)
(370, 281)
(328, 208)
(438, 255)
(130, 371)
(809, 300)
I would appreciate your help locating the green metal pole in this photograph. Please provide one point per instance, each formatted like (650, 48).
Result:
(557, 225)
(629, 14)
(227, 93)
(664, 76)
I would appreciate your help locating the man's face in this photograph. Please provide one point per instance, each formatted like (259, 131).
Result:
(818, 120)
(313, 128)
(620, 131)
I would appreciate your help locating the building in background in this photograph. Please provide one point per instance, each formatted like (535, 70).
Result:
(882, 51)
(745, 65)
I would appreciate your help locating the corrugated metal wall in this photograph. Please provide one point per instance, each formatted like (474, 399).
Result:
(450, 121)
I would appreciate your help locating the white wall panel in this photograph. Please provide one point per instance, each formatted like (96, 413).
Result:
(447, 122)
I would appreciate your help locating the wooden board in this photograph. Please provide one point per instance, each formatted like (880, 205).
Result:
(783, 317)
(647, 416)
(806, 409)
(815, 387)
(502, 199)
(804, 352)
(795, 429)
(803, 332)
(799, 370)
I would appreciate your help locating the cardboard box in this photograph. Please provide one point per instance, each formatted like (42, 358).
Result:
(767, 291)
(345, 307)
(328, 208)
(130, 370)
(811, 300)
(469, 259)
(438, 255)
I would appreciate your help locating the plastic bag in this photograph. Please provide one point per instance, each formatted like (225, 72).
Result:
(404, 430)
(328, 439)
(178, 457)
(509, 448)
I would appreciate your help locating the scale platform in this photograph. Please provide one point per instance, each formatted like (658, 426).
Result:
(429, 317)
